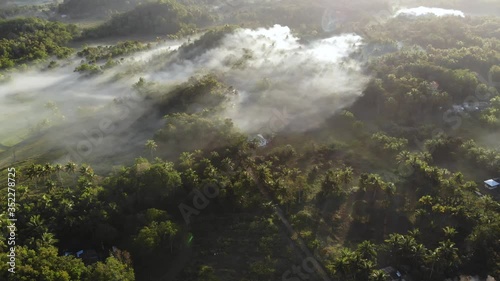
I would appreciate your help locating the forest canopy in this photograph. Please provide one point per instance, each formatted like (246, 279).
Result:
(159, 18)
(249, 140)
(25, 40)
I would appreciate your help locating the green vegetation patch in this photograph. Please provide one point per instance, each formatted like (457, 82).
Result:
(29, 39)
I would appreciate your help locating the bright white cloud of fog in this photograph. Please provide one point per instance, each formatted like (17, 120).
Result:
(424, 11)
(83, 101)
(309, 82)
(25, 93)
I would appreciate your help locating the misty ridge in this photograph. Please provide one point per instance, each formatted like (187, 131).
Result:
(310, 82)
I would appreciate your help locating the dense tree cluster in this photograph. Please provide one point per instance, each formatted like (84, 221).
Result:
(11, 11)
(165, 17)
(431, 78)
(95, 8)
(207, 41)
(27, 39)
(94, 54)
(393, 180)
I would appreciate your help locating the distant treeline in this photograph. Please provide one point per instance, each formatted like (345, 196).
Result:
(28, 39)
(166, 17)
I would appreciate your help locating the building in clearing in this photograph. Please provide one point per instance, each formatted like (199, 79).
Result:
(392, 274)
(492, 183)
(88, 256)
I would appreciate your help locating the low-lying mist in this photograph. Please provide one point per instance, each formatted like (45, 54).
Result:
(274, 71)
(270, 69)
(422, 11)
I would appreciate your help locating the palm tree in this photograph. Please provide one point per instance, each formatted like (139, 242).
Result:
(444, 257)
(263, 173)
(87, 171)
(390, 191)
(50, 185)
(342, 266)
(415, 233)
(31, 173)
(66, 205)
(39, 172)
(346, 175)
(373, 183)
(227, 165)
(378, 275)
(334, 181)
(70, 168)
(23, 190)
(171, 230)
(367, 250)
(426, 156)
(58, 168)
(449, 232)
(47, 239)
(36, 225)
(403, 157)
(404, 249)
(362, 268)
(48, 170)
(345, 264)
(87, 176)
(186, 159)
(45, 171)
(47, 200)
(151, 145)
